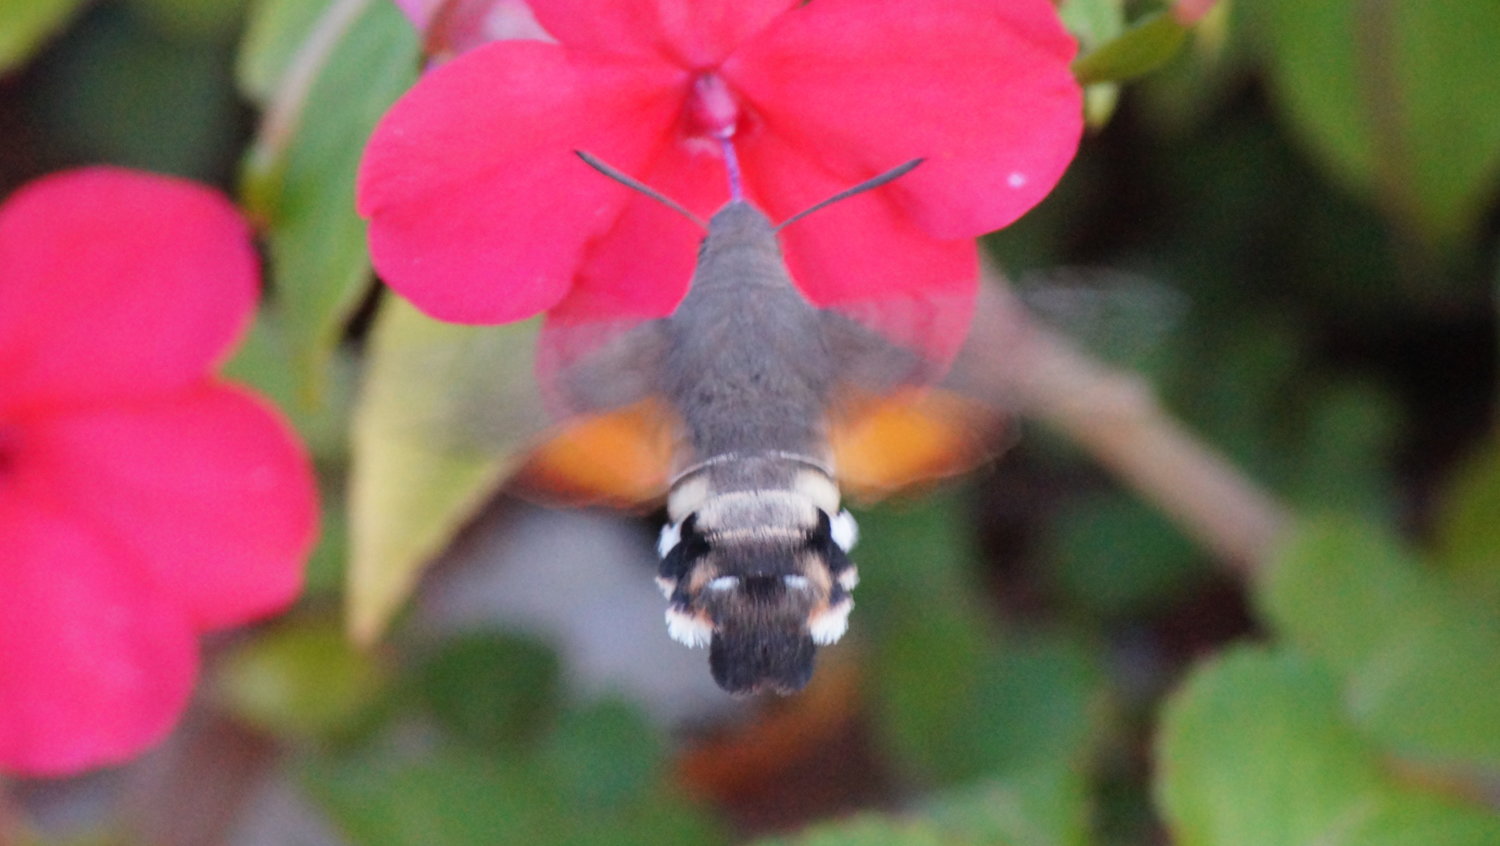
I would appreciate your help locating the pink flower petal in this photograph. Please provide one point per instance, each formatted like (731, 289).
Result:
(863, 255)
(471, 23)
(452, 27)
(117, 283)
(207, 487)
(95, 664)
(980, 89)
(479, 211)
(689, 33)
(640, 268)
(419, 11)
(1189, 12)
(642, 265)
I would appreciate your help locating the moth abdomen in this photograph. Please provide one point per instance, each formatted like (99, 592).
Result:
(754, 660)
(760, 575)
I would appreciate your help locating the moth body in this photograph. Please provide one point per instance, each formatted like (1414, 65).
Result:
(750, 562)
(738, 404)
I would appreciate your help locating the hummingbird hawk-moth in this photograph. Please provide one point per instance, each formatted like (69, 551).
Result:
(751, 409)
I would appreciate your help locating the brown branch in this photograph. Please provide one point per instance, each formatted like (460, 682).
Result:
(1115, 416)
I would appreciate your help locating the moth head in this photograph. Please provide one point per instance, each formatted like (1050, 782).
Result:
(762, 601)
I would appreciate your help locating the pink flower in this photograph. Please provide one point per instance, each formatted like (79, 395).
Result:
(450, 27)
(480, 213)
(1189, 12)
(142, 500)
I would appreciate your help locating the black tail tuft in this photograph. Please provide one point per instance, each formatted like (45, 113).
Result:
(746, 662)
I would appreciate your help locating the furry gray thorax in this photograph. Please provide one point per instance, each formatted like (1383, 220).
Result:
(750, 560)
(747, 365)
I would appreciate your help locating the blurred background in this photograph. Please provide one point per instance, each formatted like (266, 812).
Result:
(1283, 218)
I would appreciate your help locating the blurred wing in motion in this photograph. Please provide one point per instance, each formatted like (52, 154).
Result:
(882, 444)
(621, 458)
(618, 436)
(1120, 316)
(895, 418)
(898, 418)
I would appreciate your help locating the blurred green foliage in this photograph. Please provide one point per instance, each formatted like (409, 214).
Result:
(108, 92)
(956, 702)
(1314, 179)
(437, 430)
(1396, 99)
(493, 692)
(1146, 46)
(300, 679)
(1417, 655)
(25, 26)
(449, 795)
(1257, 750)
(504, 757)
(340, 74)
(1468, 533)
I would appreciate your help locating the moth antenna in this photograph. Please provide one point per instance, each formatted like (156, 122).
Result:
(874, 182)
(732, 165)
(628, 182)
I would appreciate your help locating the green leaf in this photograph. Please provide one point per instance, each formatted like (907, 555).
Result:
(1115, 555)
(1146, 46)
(116, 90)
(444, 416)
(986, 815)
(263, 361)
(932, 530)
(274, 32)
(1234, 386)
(447, 796)
(955, 704)
(1198, 87)
(1024, 723)
(1468, 535)
(667, 818)
(350, 64)
(299, 679)
(1095, 22)
(605, 755)
(1343, 456)
(25, 25)
(872, 830)
(1043, 805)
(1036, 723)
(932, 638)
(493, 691)
(1256, 751)
(1417, 656)
(1398, 99)
(596, 781)
(193, 20)
(326, 576)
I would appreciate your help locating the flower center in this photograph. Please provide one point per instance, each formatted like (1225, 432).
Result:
(712, 111)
